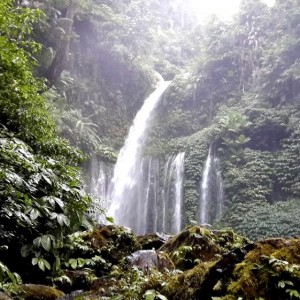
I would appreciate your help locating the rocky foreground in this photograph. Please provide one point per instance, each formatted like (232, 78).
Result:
(197, 263)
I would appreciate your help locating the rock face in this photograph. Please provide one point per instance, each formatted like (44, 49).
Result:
(146, 260)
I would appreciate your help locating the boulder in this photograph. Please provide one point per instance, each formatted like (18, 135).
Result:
(198, 244)
(38, 292)
(113, 242)
(146, 260)
(153, 240)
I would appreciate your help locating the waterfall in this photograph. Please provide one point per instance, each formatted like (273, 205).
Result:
(172, 194)
(179, 172)
(220, 189)
(98, 176)
(205, 193)
(211, 191)
(127, 191)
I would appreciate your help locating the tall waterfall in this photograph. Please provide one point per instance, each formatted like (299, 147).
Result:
(211, 191)
(130, 187)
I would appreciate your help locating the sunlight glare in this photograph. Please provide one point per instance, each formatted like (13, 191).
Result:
(223, 9)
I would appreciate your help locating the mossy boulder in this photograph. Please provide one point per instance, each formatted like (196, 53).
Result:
(198, 244)
(271, 271)
(113, 242)
(38, 292)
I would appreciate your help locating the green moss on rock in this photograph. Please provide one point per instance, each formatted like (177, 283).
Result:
(114, 242)
(270, 271)
(37, 292)
(198, 244)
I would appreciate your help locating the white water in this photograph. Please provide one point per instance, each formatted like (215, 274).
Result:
(220, 189)
(179, 172)
(205, 195)
(125, 192)
(98, 176)
(212, 191)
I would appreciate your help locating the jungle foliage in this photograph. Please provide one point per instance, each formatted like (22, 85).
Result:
(81, 69)
(41, 192)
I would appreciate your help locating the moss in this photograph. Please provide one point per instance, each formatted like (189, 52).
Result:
(272, 261)
(114, 242)
(183, 286)
(195, 244)
(38, 292)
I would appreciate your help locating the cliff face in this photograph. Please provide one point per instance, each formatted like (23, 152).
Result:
(235, 88)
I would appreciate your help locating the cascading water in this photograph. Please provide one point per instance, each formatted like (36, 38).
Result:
(220, 189)
(98, 175)
(126, 191)
(205, 192)
(212, 191)
(178, 182)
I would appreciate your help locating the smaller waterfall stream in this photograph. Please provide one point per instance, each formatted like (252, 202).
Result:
(98, 175)
(211, 191)
(172, 194)
(205, 193)
(179, 173)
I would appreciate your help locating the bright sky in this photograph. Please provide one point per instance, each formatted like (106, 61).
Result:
(224, 9)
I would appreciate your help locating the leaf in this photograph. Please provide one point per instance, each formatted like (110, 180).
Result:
(73, 263)
(34, 214)
(59, 202)
(46, 242)
(81, 262)
(41, 265)
(110, 219)
(63, 220)
(47, 179)
(150, 295)
(34, 261)
(37, 241)
(25, 250)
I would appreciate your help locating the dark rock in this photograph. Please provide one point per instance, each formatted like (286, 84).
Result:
(153, 240)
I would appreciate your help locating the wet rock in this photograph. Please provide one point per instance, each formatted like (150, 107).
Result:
(38, 292)
(153, 240)
(146, 260)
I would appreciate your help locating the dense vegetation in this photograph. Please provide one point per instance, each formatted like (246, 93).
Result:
(73, 74)
(42, 198)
